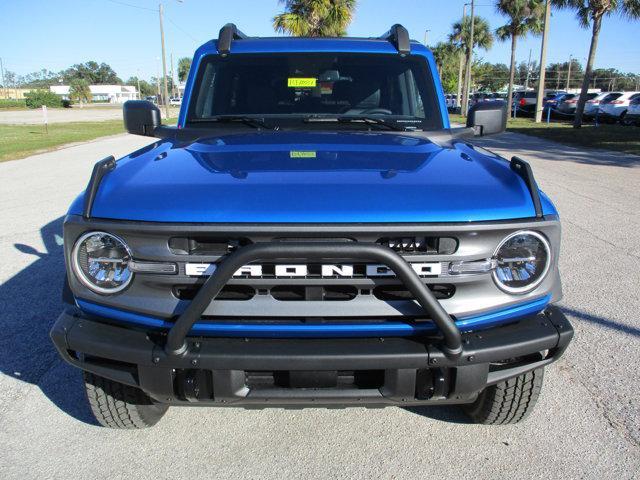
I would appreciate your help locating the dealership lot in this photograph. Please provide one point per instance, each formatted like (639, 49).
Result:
(585, 426)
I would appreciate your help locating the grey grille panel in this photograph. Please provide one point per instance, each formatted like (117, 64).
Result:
(154, 294)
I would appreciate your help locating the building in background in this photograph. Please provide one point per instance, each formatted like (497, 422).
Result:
(102, 93)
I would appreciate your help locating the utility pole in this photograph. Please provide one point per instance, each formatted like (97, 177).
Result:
(461, 66)
(467, 82)
(526, 82)
(158, 78)
(173, 79)
(4, 86)
(569, 73)
(165, 96)
(543, 62)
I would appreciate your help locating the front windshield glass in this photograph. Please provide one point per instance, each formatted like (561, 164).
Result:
(298, 87)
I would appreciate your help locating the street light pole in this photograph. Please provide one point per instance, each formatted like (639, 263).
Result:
(543, 62)
(165, 92)
(569, 73)
(526, 82)
(467, 81)
(425, 36)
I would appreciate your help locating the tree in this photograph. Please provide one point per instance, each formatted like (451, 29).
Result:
(146, 88)
(93, 73)
(79, 91)
(489, 77)
(557, 74)
(315, 18)
(591, 13)
(443, 52)
(525, 16)
(184, 65)
(461, 35)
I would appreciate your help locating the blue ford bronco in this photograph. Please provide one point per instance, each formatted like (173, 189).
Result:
(312, 233)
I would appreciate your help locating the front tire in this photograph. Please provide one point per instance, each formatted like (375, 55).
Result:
(507, 402)
(624, 121)
(120, 406)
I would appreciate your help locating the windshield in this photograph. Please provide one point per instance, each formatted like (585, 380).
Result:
(295, 87)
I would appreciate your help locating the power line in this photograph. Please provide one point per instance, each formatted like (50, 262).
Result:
(154, 10)
(182, 30)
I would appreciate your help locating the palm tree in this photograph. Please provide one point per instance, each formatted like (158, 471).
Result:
(315, 18)
(184, 65)
(592, 12)
(525, 16)
(461, 34)
(443, 53)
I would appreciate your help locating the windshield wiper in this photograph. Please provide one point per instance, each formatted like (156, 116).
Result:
(358, 119)
(254, 122)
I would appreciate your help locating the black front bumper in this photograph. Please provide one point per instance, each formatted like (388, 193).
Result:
(311, 372)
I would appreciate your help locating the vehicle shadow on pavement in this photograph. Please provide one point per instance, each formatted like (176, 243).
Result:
(557, 152)
(601, 321)
(449, 414)
(31, 302)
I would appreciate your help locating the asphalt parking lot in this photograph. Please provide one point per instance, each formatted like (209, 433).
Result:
(586, 424)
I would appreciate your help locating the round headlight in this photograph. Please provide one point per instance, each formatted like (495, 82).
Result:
(101, 262)
(521, 262)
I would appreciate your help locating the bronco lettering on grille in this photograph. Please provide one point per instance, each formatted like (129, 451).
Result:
(301, 270)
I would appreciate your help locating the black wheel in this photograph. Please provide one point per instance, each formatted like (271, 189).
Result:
(624, 121)
(507, 402)
(116, 405)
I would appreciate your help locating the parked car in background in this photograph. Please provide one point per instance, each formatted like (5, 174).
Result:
(592, 105)
(175, 101)
(525, 103)
(569, 103)
(614, 110)
(451, 101)
(633, 113)
(552, 97)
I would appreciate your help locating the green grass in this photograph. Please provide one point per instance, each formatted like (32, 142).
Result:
(19, 141)
(608, 137)
(8, 104)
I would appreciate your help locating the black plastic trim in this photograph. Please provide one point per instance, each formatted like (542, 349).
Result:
(227, 34)
(137, 358)
(399, 37)
(176, 339)
(523, 169)
(100, 169)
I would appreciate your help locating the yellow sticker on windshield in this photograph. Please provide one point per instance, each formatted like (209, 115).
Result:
(301, 82)
(301, 154)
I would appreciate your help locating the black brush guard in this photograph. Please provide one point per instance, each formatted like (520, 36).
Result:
(314, 252)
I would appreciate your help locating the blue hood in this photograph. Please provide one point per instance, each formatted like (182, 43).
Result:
(305, 177)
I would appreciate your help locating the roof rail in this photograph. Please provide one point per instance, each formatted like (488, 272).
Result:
(399, 37)
(227, 34)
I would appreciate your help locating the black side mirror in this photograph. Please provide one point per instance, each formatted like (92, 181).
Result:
(141, 117)
(488, 118)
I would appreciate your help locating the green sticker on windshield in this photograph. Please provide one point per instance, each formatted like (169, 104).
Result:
(301, 154)
(301, 82)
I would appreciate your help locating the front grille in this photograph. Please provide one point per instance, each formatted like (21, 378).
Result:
(205, 245)
(420, 245)
(351, 294)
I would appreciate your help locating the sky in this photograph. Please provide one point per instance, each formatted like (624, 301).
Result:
(55, 34)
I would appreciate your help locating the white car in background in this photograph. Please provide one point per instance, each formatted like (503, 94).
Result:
(592, 105)
(633, 114)
(614, 109)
